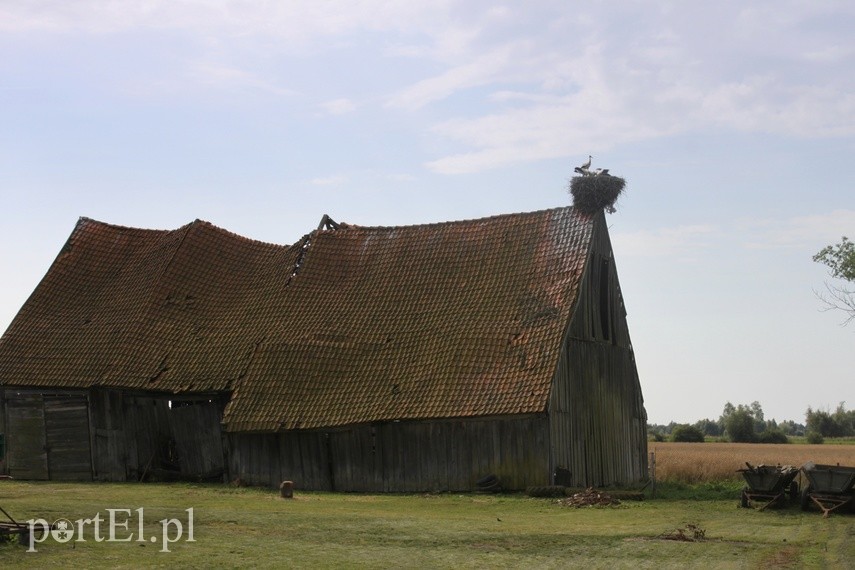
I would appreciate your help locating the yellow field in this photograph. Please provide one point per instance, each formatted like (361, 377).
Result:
(705, 462)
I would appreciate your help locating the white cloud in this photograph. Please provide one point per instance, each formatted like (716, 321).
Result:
(633, 84)
(401, 177)
(338, 106)
(221, 76)
(808, 232)
(680, 240)
(516, 83)
(335, 180)
(482, 70)
(290, 21)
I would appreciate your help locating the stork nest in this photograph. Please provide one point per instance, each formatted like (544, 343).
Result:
(593, 193)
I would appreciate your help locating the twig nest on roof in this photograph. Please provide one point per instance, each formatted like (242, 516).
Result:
(593, 193)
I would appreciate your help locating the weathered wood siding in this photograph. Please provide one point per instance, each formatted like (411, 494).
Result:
(3, 465)
(110, 455)
(442, 455)
(108, 435)
(67, 435)
(198, 438)
(596, 410)
(26, 450)
(138, 433)
(47, 435)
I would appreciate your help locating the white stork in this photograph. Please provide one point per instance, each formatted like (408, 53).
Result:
(584, 168)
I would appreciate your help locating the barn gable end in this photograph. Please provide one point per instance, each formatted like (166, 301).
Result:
(598, 425)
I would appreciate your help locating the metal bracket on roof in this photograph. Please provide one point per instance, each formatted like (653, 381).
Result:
(328, 223)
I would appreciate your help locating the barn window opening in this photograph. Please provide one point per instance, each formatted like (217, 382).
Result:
(183, 403)
(605, 299)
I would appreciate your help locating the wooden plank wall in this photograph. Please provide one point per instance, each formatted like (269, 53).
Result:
(108, 435)
(443, 455)
(132, 434)
(597, 418)
(3, 465)
(26, 447)
(67, 434)
(198, 439)
(47, 435)
(110, 454)
(147, 435)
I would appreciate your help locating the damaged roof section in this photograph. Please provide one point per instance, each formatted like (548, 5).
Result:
(157, 310)
(351, 325)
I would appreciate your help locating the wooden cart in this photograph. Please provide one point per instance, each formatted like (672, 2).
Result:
(829, 486)
(768, 485)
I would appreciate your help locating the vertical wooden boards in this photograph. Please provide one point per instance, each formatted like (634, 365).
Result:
(147, 434)
(48, 436)
(67, 435)
(596, 409)
(198, 439)
(595, 414)
(26, 453)
(400, 457)
(107, 417)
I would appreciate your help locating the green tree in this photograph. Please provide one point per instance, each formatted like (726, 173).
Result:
(687, 433)
(840, 259)
(734, 421)
(708, 427)
(841, 423)
(845, 419)
(789, 427)
(739, 426)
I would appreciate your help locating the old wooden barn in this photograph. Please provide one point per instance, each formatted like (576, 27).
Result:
(413, 358)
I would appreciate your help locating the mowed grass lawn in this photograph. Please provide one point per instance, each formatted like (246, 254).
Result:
(254, 528)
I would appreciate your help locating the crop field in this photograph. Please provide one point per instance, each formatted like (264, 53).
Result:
(708, 462)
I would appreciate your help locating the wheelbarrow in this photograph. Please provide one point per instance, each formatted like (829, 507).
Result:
(768, 485)
(829, 487)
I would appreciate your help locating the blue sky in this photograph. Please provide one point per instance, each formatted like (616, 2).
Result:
(732, 122)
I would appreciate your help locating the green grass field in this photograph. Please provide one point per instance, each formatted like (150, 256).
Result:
(239, 527)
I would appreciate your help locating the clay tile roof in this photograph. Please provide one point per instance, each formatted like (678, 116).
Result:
(148, 309)
(352, 325)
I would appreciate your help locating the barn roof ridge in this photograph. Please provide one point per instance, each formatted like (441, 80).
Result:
(188, 227)
(343, 226)
(465, 221)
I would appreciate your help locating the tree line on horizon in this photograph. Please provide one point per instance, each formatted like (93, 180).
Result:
(748, 424)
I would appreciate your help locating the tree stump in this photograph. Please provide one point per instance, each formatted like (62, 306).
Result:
(286, 489)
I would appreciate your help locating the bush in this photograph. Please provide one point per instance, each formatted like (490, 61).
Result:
(687, 433)
(814, 437)
(773, 435)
